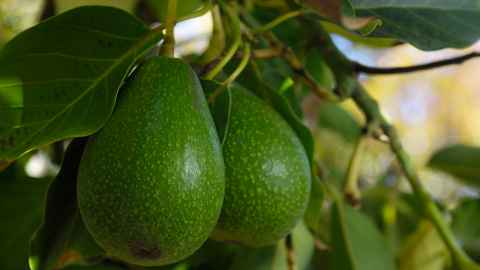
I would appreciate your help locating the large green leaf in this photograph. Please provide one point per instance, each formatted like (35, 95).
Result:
(61, 215)
(428, 25)
(466, 226)
(356, 242)
(21, 207)
(60, 78)
(461, 161)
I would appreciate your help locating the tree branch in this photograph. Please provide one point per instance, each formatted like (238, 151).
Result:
(48, 10)
(397, 70)
(296, 65)
(290, 253)
(372, 112)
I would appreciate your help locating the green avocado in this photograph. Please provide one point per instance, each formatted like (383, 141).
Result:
(268, 176)
(151, 183)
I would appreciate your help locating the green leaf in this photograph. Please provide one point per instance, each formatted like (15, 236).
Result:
(256, 258)
(466, 226)
(61, 214)
(333, 117)
(423, 250)
(315, 64)
(64, 5)
(428, 25)
(357, 243)
(314, 213)
(63, 75)
(82, 248)
(461, 161)
(379, 42)
(275, 257)
(185, 10)
(21, 207)
(220, 107)
(103, 266)
(303, 249)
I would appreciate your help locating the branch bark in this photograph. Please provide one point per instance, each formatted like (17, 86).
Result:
(374, 116)
(398, 70)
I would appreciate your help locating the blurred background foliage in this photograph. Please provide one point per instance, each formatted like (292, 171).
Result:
(431, 109)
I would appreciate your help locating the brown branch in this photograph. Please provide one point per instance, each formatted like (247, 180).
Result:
(397, 70)
(266, 53)
(296, 65)
(290, 253)
(48, 10)
(4, 164)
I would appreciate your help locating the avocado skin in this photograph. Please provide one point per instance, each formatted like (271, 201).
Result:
(151, 182)
(268, 176)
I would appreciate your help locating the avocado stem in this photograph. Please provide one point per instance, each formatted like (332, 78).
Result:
(279, 20)
(237, 39)
(241, 66)
(351, 191)
(168, 47)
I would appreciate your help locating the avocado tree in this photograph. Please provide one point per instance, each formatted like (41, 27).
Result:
(206, 161)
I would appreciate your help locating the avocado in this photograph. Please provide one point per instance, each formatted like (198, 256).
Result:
(268, 177)
(151, 182)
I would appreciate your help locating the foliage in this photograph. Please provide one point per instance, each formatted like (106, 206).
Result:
(59, 81)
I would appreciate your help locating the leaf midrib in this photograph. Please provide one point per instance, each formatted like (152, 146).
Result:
(149, 37)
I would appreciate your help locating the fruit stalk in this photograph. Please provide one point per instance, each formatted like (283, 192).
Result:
(241, 66)
(351, 191)
(237, 39)
(278, 47)
(280, 19)
(168, 48)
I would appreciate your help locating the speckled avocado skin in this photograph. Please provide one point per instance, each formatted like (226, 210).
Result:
(267, 174)
(151, 183)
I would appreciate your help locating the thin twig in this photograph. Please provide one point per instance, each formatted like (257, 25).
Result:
(266, 53)
(396, 70)
(241, 66)
(292, 60)
(291, 265)
(237, 39)
(351, 190)
(4, 164)
(297, 66)
(282, 18)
